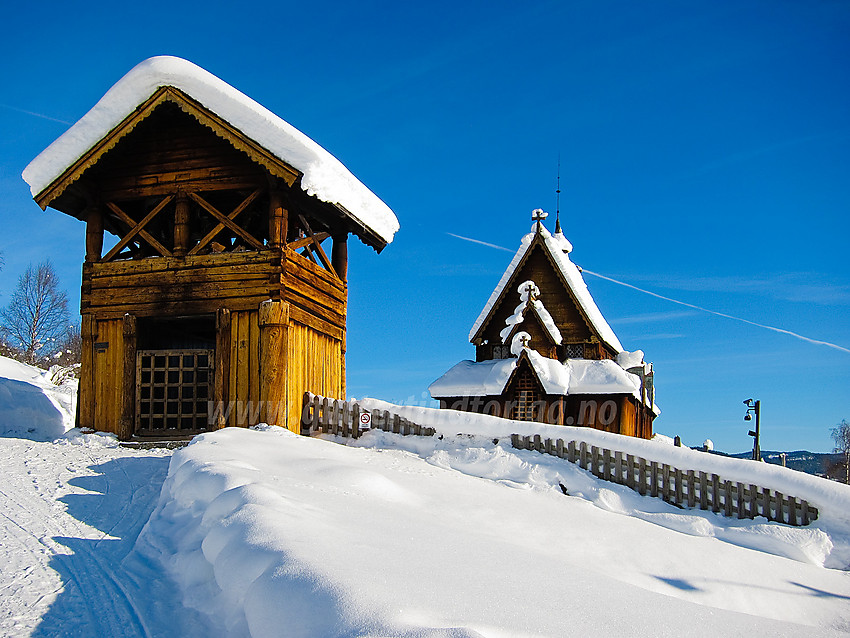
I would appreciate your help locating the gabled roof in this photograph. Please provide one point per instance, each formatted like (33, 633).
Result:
(557, 247)
(322, 175)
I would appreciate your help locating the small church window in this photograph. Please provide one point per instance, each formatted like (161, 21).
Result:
(575, 351)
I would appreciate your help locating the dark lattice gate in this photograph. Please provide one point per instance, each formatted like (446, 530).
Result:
(173, 389)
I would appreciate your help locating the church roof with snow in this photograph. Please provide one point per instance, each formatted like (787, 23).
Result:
(321, 174)
(558, 248)
(574, 376)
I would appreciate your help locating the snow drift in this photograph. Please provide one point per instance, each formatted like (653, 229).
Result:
(32, 406)
(269, 533)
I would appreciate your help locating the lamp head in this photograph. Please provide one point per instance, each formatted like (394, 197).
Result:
(748, 417)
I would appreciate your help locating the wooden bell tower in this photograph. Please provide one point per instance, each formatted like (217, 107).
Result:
(218, 304)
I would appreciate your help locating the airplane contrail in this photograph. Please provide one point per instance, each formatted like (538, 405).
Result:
(44, 117)
(681, 303)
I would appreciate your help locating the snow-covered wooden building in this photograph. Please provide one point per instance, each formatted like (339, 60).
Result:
(223, 297)
(544, 352)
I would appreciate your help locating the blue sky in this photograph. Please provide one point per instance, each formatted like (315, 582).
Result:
(704, 150)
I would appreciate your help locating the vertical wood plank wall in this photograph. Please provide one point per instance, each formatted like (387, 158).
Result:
(314, 364)
(244, 368)
(101, 399)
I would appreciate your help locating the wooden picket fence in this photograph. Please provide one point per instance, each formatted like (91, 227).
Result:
(342, 418)
(684, 488)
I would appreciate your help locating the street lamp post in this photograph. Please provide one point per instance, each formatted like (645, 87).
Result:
(754, 407)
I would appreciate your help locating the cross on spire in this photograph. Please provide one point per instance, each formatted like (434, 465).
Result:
(524, 340)
(538, 215)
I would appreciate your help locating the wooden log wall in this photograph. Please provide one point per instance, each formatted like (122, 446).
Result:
(342, 418)
(196, 284)
(316, 297)
(684, 488)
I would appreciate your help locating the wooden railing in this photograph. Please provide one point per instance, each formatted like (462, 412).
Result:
(684, 488)
(343, 418)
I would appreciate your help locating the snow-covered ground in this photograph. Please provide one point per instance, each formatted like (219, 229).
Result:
(264, 533)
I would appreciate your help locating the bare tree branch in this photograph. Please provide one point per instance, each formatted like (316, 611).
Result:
(36, 319)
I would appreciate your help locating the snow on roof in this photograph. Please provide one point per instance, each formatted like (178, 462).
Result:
(558, 248)
(575, 376)
(323, 175)
(471, 379)
(533, 301)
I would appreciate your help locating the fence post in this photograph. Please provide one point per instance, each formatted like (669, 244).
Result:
(305, 413)
(642, 476)
(741, 508)
(618, 467)
(679, 491)
(583, 455)
(715, 493)
(355, 419)
(692, 497)
(653, 478)
(559, 448)
(315, 425)
(571, 451)
(727, 498)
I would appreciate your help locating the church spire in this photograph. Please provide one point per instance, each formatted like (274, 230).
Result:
(558, 201)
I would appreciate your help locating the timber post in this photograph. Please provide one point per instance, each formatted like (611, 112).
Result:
(274, 319)
(94, 233)
(128, 382)
(278, 220)
(339, 256)
(221, 387)
(181, 226)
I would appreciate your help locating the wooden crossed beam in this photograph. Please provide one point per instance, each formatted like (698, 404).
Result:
(138, 229)
(215, 231)
(304, 241)
(316, 247)
(227, 221)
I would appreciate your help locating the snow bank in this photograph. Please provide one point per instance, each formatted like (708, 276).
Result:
(31, 405)
(832, 499)
(271, 534)
(324, 175)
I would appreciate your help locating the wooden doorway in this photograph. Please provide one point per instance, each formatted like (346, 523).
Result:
(526, 397)
(175, 375)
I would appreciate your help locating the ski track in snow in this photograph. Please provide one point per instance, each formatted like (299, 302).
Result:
(69, 518)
